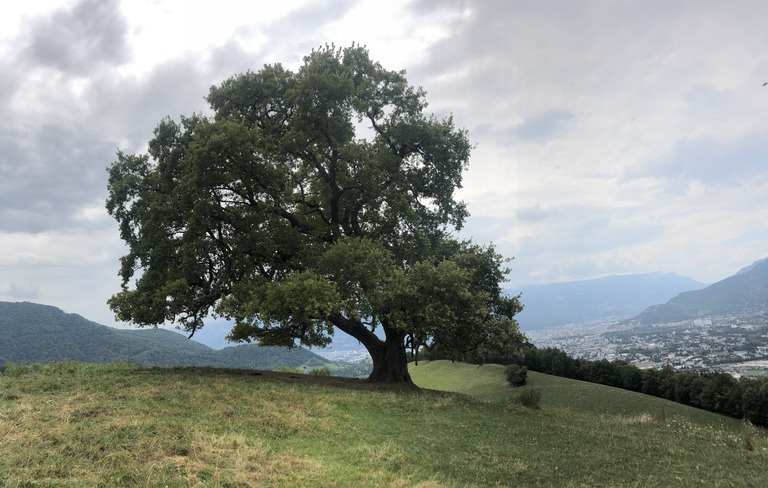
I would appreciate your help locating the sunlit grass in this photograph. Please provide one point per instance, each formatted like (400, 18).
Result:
(488, 382)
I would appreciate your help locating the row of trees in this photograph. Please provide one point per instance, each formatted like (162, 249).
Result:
(716, 392)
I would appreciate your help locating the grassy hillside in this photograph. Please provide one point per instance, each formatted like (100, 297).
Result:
(482, 381)
(575, 396)
(69, 424)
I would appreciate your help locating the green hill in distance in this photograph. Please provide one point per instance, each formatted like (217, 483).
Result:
(36, 333)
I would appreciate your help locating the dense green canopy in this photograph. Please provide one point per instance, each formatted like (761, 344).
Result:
(313, 199)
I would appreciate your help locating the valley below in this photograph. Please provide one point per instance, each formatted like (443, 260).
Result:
(736, 344)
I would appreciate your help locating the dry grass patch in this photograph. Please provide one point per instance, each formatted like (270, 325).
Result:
(233, 460)
(384, 455)
(642, 419)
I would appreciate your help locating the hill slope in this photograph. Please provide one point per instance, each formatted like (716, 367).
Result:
(121, 425)
(488, 382)
(39, 333)
(577, 302)
(746, 292)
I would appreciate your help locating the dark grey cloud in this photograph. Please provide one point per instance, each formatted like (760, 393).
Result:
(230, 59)
(52, 164)
(491, 31)
(128, 109)
(52, 160)
(48, 174)
(8, 84)
(78, 39)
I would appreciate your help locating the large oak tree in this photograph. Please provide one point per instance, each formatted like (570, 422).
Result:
(311, 199)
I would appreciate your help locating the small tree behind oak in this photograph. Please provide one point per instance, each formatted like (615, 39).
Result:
(311, 199)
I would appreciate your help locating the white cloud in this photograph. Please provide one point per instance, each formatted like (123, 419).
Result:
(397, 41)
(161, 32)
(22, 249)
(75, 271)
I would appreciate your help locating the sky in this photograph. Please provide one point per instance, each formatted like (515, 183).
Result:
(611, 137)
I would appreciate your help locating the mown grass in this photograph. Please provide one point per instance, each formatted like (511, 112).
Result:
(488, 381)
(70, 424)
(485, 381)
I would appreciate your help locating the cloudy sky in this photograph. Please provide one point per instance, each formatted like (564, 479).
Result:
(612, 137)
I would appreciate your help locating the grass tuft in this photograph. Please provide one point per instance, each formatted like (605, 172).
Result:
(748, 435)
(530, 397)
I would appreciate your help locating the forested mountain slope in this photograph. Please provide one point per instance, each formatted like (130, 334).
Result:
(36, 333)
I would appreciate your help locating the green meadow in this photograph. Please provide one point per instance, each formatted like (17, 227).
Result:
(574, 396)
(73, 424)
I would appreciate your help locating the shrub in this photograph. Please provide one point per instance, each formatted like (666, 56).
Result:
(530, 397)
(516, 374)
(320, 372)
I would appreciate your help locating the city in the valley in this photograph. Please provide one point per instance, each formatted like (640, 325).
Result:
(735, 344)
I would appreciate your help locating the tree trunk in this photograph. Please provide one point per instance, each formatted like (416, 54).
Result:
(390, 362)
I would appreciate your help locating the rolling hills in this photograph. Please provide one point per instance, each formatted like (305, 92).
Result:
(36, 333)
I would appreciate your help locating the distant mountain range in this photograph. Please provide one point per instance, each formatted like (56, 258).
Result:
(576, 302)
(745, 293)
(40, 333)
